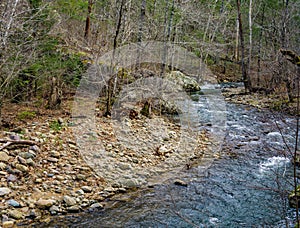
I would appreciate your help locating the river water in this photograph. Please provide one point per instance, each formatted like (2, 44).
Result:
(245, 185)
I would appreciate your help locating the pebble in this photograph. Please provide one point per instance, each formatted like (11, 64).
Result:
(13, 203)
(15, 214)
(87, 189)
(69, 201)
(74, 209)
(34, 148)
(2, 165)
(27, 155)
(22, 168)
(55, 154)
(8, 224)
(96, 205)
(4, 191)
(54, 209)
(44, 203)
(21, 160)
(52, 159)
(11, 178)
(4, 157)
(30, 162)
(80, 192)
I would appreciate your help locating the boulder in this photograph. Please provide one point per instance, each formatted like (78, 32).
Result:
(189, 84)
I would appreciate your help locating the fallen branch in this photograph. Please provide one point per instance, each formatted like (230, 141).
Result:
(11, 142)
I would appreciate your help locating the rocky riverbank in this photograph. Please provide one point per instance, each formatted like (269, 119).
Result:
(50, 177)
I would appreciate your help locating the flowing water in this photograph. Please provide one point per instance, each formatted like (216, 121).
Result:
(243, 187)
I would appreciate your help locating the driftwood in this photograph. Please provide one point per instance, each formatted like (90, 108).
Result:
(8, 142)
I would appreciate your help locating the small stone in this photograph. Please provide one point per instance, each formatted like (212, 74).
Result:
(27, 155)
(60, 178)
(4, 157)
(60, 120)
(13, 203)
(11, 178)
(21, 160)
(8, 224)
(15, 214)
(22, 168)
(54, 209)
(4, 191)
(34, 148)
(74, 209)
(80, 192)
(52, 159)
(44, 203)
(69, 201)
(2, 166)
(33, 214)
(30, 162)
(180, 183)
(38, 180)
(80, 177)
(96, 205)
(55, 154)
(87, 189)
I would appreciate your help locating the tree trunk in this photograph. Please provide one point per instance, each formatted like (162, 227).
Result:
(87, 29)
(246, 80)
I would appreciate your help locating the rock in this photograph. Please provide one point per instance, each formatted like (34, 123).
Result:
(34, 214)
(180, 183)
(27, 155)
(69, 201)
(60, 120)
(74, 209)
(96, 205)
(22, 168)
(80, 177)
(30, 162)
(55, 154)
(11, 178)
(188, 84)
(4, 157)
(8, 224)
(87, 189)
(2, 166)
(34, 148)
(54, 210)
(80, 192)
(4, 191)
(52, 159)
(45, 203)
(15, 214)
(21, 160)
(13, 203)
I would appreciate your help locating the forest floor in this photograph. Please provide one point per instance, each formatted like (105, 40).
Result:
(51, 176)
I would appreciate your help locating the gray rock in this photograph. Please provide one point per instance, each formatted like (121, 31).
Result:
(13, 203)
(96, 205)
(80, 192)
(74, 209)
(15, 214)
(27, 155)
(87, 189)
(21, 160)
(4, 157)
(189, 84)
(34, 148)
(54, 210)
(69, 201)
(4, 191)
(11, 178)
(45, 203)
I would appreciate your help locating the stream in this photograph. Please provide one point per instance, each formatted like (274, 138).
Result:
(243, 187)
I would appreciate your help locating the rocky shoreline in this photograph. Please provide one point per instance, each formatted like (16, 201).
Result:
(51, 177)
